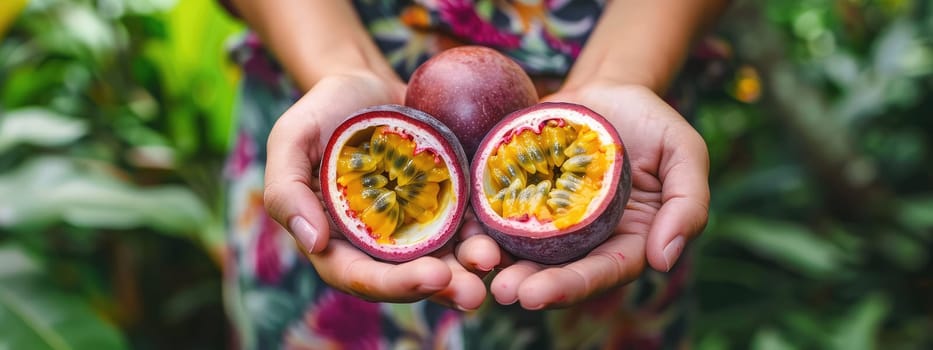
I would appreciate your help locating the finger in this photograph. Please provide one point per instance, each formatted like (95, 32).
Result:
(346, 268)
(466, 290)
(288, 196)
(505, 285)
(471, 227)
(477, 252)
(294, 150)
(684, 174)
(619, 260)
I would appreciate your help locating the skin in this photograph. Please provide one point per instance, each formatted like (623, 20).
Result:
(634, 52)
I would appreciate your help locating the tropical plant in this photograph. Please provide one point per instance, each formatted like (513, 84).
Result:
(822, 213)
(115, 117)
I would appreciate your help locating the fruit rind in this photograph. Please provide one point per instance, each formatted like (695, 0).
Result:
(427, 132)
(538, 242)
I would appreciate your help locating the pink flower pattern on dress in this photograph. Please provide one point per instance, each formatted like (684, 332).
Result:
(269, 264)
(465, 22)
(243, 154)
(337, 321)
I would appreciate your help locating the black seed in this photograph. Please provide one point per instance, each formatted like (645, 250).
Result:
(420, 177)
(400, 161)
(560, 194)
(512, 169)
(374, 180)
(544, 187)
(358, 161)
(384, 201)
(557, 203)
(536, 154)
(378, 146)
(409, 169)
(501, 194)
(525, 195)
(390, 155)
(408, 192)
(570, 182)
(577, 163)
(370, 193)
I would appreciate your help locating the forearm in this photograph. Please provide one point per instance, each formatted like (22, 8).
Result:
(314, 38)
(643, 42)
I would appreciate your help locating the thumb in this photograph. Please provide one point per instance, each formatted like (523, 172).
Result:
(301, 213)
(288, 195)
(685, 196)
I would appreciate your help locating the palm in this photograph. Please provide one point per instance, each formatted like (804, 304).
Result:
(669, 198)
(295, 147)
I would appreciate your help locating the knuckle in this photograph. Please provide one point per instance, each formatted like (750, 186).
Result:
(272, 197)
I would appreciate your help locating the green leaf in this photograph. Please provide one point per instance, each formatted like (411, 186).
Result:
(917, 213)
(770, 339)
(805, 325)
(15, 262)
(859, 329)
(34, 315)
(795, 246)
(713, 341)
(905, 251)
(39, 126)
(197, 75)
(76, 30)
(762, 183)
(48, 190)
(892, 47)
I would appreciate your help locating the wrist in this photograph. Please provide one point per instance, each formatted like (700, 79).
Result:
(642, 42)
(371, 69)
(632, 79)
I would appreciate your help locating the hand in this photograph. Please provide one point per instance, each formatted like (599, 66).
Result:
(295, 147)
(668, 205)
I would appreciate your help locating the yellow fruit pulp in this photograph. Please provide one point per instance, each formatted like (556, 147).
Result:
(387, 185)
(551, 175)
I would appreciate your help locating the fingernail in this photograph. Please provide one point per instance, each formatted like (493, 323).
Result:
(304, 232)
(461, 308)
(509, 302)
(425, 288)
(672, 251)
(536, 307)
(483, 268)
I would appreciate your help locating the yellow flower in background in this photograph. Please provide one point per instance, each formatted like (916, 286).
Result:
(747, 85)
(9, 9)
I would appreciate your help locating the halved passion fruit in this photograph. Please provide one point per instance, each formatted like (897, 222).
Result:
(550, 182)
(394, 181)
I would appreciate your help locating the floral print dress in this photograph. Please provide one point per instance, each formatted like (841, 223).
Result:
(276, 300)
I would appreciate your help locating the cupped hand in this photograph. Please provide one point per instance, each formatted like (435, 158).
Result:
(668, 205)
(291, 197)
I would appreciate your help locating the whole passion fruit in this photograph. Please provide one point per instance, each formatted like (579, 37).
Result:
(470, 88)
(550, 182)
(394, 181)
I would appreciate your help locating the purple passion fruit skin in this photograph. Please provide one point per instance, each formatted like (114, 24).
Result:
(556, 240)
(470, 88)
(394, 182)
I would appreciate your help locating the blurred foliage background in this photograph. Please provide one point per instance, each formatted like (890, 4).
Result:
(115, 118)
